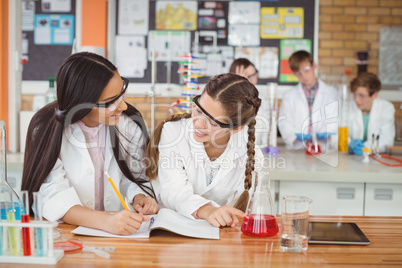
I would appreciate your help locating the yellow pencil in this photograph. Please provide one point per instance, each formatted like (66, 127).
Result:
(117, 191)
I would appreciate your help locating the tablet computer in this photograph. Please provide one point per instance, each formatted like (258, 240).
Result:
(339, 233)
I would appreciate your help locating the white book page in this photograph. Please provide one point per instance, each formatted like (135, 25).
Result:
(166, 219)
(172, 221)
(143, 232)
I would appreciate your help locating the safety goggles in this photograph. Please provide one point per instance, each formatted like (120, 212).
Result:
(113, 104)
(222, 125)
(304, 71)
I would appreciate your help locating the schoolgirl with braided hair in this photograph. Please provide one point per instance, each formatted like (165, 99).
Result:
(203, 160)
(73, 141)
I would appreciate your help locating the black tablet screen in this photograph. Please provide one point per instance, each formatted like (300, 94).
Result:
(336, 233)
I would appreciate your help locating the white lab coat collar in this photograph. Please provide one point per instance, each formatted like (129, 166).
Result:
(75, 136)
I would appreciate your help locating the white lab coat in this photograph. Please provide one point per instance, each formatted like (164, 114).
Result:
(71, 182)
(294, 113)
(381, 122)
(184, 170)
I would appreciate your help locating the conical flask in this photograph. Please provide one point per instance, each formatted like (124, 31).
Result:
(260, 218)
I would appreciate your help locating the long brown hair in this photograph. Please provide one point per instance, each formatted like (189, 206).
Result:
(80, 80)
(240, 100)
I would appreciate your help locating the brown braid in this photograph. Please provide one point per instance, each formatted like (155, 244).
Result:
(152, 147)
(241, 203)
(241, 103)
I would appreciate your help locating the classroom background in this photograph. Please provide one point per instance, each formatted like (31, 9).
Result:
(342, 35)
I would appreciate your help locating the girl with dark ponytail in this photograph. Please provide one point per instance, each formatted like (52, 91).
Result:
(204, 161)
(72, 143)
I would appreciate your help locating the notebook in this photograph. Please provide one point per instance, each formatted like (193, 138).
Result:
(166, 219)
(339, 233)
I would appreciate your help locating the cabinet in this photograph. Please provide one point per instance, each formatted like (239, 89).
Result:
(14, 178)
(329, 198)
(383, 199)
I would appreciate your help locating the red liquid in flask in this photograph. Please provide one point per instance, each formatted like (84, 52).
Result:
(26, 236)
(259, 225)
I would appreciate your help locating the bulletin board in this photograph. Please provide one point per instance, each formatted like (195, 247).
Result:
(48, 31)
(267, 40)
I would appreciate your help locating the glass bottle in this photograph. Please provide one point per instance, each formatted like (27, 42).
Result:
(260, 218)
(51, 91)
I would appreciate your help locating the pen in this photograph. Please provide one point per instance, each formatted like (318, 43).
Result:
(117, 191)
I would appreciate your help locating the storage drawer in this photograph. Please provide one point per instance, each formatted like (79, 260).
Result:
(383, 199)
(328, 198)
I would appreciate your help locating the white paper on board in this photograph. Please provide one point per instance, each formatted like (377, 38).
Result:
(244, 12)
(56, 5)
(168, 45)
(265, 59)
(133, 17)
(131, 56)
(244, 35)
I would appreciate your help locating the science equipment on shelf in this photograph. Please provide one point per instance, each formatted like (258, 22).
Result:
(190, 72)
(272, 148)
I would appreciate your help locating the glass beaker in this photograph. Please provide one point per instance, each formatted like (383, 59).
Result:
(294, 223)
(260, 218)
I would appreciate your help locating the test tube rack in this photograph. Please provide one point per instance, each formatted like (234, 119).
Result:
(52, 256)
(190, 75)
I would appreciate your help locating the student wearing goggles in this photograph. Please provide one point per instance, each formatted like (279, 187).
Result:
(73, 142)
(210, 152)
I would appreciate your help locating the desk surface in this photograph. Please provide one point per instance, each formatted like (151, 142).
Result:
(330, 167)
(234, 249)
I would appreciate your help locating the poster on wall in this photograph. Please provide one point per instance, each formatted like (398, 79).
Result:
(244, 12)
(212, 22)
(265, 59)
(133, 17)
(28, 15)
(287, 47)
(176, 15)
(54, 29)
(168, 45)
(56, 5)
(282, 22)
(131, 56)
(244, 35)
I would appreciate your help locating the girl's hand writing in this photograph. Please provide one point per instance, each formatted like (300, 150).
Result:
(124, 222)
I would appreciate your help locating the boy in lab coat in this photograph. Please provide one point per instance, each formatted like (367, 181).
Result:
(369, 115)
(311, 107)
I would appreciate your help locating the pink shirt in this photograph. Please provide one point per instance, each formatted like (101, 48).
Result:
(95, 138)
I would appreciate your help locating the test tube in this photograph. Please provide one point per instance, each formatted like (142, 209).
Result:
(3, 230)
(40, 234)
(12, 231)
(26, 238)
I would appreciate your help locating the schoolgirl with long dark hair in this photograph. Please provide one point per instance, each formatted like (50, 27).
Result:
(73, 142)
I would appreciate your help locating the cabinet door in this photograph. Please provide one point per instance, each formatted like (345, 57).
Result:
(328, 198)
(14, 179)
(383, 199)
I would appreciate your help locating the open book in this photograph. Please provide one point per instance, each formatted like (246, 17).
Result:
(166, 219)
